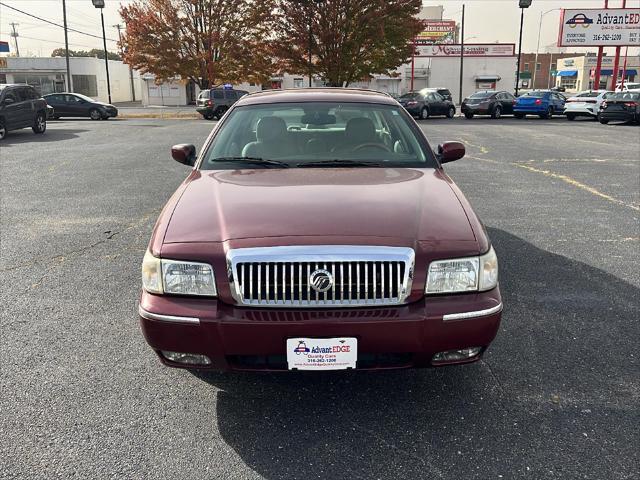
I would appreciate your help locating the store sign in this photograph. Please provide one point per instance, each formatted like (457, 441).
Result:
(592, 27)
(437, 31)
(471, 50)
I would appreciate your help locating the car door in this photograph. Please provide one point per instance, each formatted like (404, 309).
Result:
(506, 100)
(58, 103)
(76, 107)
(11, 109)
(558, 102)
(25, 107)
(438, 105)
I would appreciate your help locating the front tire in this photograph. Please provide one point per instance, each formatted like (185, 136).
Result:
(3, 130)
(468, 115)
(40, 124)
(424, 113)
(603, 121)
(497, 112)
(95, 114)
(571, 116)
(451, 112)
(519, 116)
(547, 115)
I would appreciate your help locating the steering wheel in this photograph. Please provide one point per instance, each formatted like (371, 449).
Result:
(379, 146)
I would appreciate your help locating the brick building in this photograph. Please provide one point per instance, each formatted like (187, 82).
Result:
(546, 63)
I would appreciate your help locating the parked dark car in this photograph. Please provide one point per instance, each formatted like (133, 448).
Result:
(318, 230)
(21, 106)
(78, 105)
(488, 102)
(620, 106)
(446, 94)
(544, 103)
(212, 104)
(427, 104)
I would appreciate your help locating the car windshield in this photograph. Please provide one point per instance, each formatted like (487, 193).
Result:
(313, 134)
(482, 95)
(83, 97)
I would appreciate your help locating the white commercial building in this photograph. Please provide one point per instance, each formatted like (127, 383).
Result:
(578, 73)
(88, 75)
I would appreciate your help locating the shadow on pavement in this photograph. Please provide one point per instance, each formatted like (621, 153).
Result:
(16, 137)
(558, 385)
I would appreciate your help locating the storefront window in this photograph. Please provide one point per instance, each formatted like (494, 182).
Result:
(43, 84)
(86, 85)
(568, 82)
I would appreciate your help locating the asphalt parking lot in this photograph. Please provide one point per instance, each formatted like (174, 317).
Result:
(556, 396)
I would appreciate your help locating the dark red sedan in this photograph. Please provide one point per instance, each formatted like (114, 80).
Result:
(317, 230)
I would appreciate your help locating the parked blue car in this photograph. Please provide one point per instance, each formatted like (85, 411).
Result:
(543, 103)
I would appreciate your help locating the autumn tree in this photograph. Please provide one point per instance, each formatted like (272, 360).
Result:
(207, 41)
(350, 39)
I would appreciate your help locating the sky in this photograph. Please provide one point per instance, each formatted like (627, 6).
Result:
(486, 21)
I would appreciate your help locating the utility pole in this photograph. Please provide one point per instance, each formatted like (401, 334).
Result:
(100, 4)
(66, 47)
(461, 57)
(133, 90)
(616, 63)
(523, 4)
(14, 34)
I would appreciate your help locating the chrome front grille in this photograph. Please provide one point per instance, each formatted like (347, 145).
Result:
(320, 276)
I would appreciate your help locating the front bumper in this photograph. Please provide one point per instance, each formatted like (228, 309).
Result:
(241, 338)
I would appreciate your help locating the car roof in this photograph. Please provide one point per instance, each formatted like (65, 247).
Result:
(326, 94)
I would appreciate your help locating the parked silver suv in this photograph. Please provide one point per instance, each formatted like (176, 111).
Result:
(212, 104)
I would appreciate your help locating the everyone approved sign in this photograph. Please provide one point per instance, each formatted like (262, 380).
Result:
(593, 27)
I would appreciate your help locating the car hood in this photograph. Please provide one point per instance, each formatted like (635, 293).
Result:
(221, 205)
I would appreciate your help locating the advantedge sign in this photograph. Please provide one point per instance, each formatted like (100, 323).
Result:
(591, 27)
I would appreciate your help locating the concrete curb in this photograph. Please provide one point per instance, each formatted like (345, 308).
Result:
(161, 115)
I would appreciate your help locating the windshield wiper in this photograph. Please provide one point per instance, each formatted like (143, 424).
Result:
(252, 161)
(339, 163)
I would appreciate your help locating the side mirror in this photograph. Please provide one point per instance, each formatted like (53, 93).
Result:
(7, 101)
(184, 153)
(450, 151)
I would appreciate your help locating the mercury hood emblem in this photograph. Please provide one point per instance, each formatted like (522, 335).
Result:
(321, 280)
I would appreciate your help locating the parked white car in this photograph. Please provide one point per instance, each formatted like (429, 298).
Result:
(628, 86)
(584, 104)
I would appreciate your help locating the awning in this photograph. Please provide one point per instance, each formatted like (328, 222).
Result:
(488, 77)
(610, 72)
(568, 73)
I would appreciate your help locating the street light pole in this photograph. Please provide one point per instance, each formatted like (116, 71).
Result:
(461, 58)
(535, 66)
(100, 4)
(523, 4)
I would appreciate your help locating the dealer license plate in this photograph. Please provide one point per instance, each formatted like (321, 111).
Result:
(322, 353)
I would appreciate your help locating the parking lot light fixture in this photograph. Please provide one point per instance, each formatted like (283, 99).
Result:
(100, 4)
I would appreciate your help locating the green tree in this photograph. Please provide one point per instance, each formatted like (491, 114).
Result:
(207, 41)
(94, 52)
(351, 39)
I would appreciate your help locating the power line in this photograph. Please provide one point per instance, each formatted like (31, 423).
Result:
(53, 23)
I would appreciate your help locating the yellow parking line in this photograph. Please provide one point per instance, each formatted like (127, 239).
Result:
(577, 184)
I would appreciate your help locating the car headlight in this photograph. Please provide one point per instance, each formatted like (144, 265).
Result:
(160, 275)
(463, 274)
